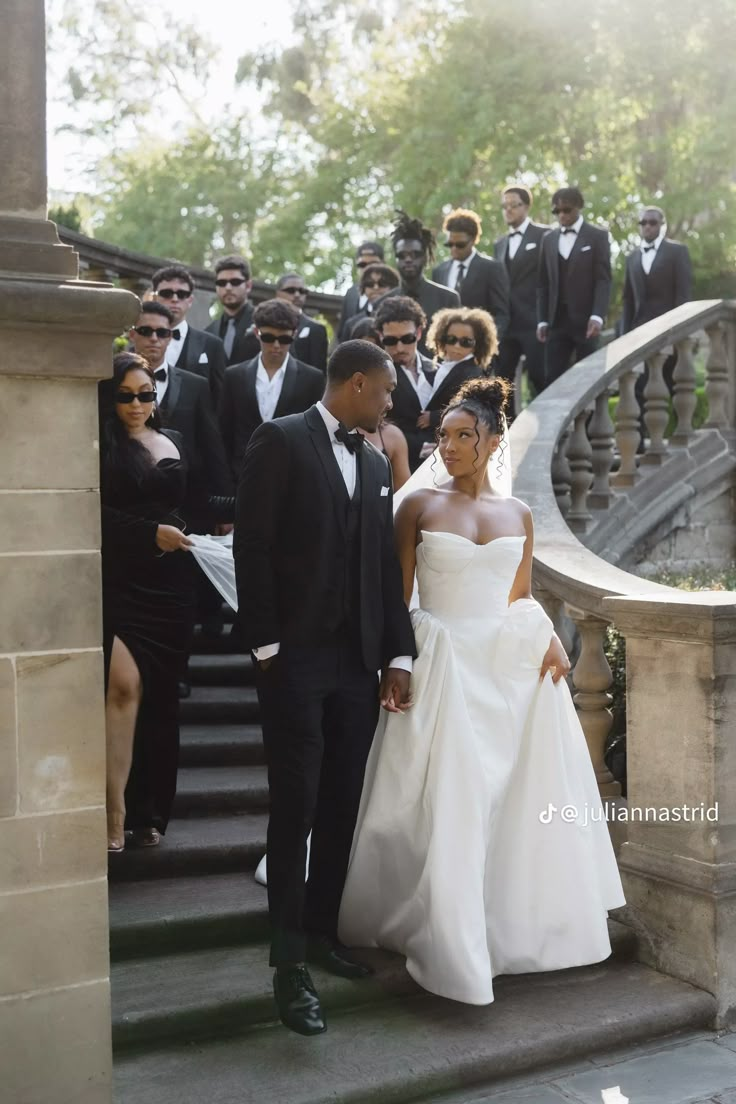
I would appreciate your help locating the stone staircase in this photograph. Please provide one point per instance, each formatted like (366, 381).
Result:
(193, 1014)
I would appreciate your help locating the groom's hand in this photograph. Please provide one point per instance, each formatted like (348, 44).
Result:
(394, 691)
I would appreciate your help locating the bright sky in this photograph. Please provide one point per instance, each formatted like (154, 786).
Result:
(240, 26)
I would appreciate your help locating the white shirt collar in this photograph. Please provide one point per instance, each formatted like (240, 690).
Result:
(576, 225)
(521, 229)
(182, 327)
(467, 260)
(329, 419)
(657, 241)
(262, 368)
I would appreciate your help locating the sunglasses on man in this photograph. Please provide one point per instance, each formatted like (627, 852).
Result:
(295, 290)
(237, 281)
(380, 283)
(126, 397)
(271, 339)
(562, 210)
(405, 339)
(173, 293)
(463, 342)
(458, 244)
(149, 331)
(648, 222)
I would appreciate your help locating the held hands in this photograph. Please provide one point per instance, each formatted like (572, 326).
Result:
(423, 420)
(171, 539)
(555, 661)
(594, 328)
(394, 690)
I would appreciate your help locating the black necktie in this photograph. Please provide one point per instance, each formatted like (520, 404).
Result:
(160, 374)
(353, 442)
(649, 248)
(176, 334)
(460, 277)
(568, 230)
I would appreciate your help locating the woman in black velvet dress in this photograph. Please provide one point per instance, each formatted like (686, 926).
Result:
(147, 603)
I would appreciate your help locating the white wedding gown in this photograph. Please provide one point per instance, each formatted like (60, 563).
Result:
(451, 865)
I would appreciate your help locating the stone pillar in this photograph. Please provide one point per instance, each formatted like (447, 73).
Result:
(680, 873)
(55, 343)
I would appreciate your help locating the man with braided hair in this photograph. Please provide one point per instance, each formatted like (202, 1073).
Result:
(414, 246)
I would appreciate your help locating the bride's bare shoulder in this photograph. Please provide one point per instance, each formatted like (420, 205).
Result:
(518, 507)
(415, 502)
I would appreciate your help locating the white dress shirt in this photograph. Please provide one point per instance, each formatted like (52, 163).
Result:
(455, 268)
(414, 380)
(162, 386)
(175, 347)
(515, 236)
(647, 254)
(567, 241)
(268, 388)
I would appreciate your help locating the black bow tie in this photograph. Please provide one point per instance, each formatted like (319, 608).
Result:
(568, 230)
(353, 442)
(160, 374)
(649, 248)
(515, 234)
(175, 335)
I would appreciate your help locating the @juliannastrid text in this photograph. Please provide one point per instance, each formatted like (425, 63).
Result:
(618, 811)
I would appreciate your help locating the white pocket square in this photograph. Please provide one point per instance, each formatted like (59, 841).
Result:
(203, 359)
(304, 332)
(531, 245)
(384, 492)
(585, 249)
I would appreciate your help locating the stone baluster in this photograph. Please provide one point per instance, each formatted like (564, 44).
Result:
(656, 410)
(592, 680)
(627, 430)
(579, 455)
(600, 432)
(717, 378)
(561, 475)
(684, 400)
(556, 610)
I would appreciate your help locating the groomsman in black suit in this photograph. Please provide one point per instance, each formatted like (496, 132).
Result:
(480, 281)
(367, 253)
(321, 598)
(414, 246)
(271, 385)
(519, 251)
(574, 286)
(233, 283)
(400, 322)
(310, 344)
(193, 350)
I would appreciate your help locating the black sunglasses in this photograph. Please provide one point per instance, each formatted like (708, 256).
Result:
(363, 264)
(141, 396)
(649, 222)
(237, 281)
(283, 339)
(295, 290)
(463, 342)
(173, 293)
(405, 339)
(410, 254)
(149, 331)
(457, 244)
(376, 283)
(562, 210)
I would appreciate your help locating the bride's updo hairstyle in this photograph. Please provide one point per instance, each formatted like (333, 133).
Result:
(486, 400)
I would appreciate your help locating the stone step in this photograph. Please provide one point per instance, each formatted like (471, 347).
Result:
(220, 705)
(417, 1048)
(211, 986)
(175, 914)
(205, 745)
(221, 670)
(225, 991)
(229, 789)
(196, 845)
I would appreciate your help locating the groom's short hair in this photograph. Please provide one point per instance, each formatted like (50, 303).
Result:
(355, 356)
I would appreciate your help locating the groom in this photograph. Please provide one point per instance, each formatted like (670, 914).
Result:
(321, 604)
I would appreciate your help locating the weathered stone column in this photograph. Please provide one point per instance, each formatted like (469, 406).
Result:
(55, 335)
(680, 873)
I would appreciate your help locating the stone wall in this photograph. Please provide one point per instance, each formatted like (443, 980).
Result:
(701, 533)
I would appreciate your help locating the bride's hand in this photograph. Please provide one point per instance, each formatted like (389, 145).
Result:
(555, 661)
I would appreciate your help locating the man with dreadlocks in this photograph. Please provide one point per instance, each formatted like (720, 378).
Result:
(414, 248)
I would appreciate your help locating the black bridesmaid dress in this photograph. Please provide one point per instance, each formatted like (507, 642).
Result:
(148, 603)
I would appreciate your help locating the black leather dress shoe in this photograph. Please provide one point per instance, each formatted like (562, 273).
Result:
(297, 1000)
(323, 951)
(184, 690)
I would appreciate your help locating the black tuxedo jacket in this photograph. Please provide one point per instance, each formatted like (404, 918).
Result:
(291, 542)
(239, 414)
(522, 270)
(312, 347)
(588, 277)
(187, 408)
(405, 410)
(199, 344)
(668, 285)
(246, 344)
(486, 285)
(451, 384)
(350, 307)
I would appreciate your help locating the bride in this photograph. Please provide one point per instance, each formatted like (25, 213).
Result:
(459, 861)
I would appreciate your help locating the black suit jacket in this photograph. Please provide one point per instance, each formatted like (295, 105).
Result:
(199, 344)
(451, 384)
(246, 344)
(522, 270)
(291, 543)
(187, 408)
(312, 347)
(350, 307)
(486, 285)
(405, 410)
(668, 285)
(588, 278)
(239, 414)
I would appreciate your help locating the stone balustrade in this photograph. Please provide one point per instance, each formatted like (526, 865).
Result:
(598, 495)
